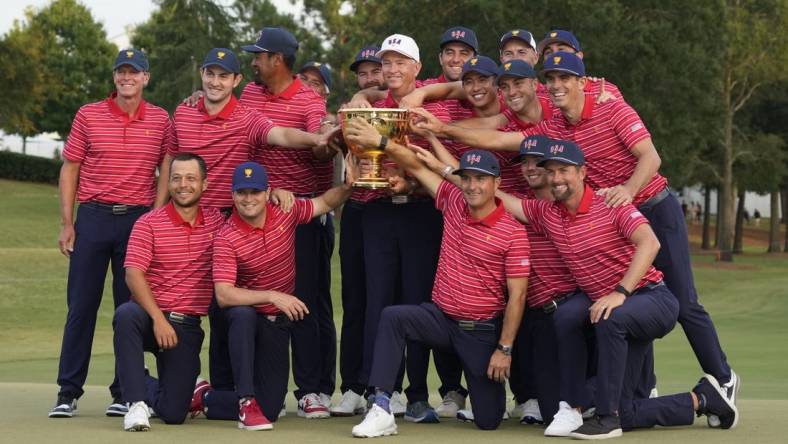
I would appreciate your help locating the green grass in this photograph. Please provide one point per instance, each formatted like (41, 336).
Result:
(747, 300)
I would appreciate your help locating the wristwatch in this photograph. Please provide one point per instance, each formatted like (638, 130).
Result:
(505, 349)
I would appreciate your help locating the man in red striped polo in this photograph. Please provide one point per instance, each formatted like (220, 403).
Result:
(609, 252)
(109, 166)
(479, 292)
(287, 101)
(254, 273)
(168, 270)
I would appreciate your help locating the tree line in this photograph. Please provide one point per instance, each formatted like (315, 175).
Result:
(709, 77)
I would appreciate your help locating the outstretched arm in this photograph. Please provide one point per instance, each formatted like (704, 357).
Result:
(479, 138)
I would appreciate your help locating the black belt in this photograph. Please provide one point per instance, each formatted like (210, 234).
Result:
(183, 319)
(655, 199)
(114, 208)
(552, 306)
(477, 325)
(650, 286)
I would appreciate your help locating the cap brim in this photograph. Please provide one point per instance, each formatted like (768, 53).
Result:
(544, 42)
(558, 159)
(503, 42)
(568, 71)
(134, 65)
(354, 65)
(479, 71)
(519, 158)
(380, 53)
(245, 186)
(253, 48)
(459, 171)
(446, 42)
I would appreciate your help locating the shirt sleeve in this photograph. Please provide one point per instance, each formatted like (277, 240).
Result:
(225, 262)
(538, 129)
(172, 147)
(446, 195)
(627, 124)
(534, 212)
(315, 111)
(304, 210)
(627, 218)
(518, 263)
(77, 143)
(258, 126)
(168, 144)
(139, 252)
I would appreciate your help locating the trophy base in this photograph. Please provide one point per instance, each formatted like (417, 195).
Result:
(372, 184)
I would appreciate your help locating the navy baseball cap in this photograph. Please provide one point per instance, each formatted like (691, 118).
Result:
(366, 54)
(481, 161)
(516, 68)
(480, 65)
(533, 146)
(223, 58)
(322, 68)
(519, 34)
(563, 151)
(274, 40)
(132, 57)
(565, 62)
(460, 34)
(250, 175)
(558, 36)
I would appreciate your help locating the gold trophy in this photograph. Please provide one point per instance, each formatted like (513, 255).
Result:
(389, 122)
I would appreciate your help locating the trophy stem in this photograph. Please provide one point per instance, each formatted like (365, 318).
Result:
(377, 166)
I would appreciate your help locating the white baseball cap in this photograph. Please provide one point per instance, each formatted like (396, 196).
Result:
(401, 44)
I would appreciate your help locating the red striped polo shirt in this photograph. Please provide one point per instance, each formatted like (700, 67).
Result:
(298, 106)
(594, 88)
(176, 257)
(606, 133)
(549, 275)
(261, 259)
(594, 243)
(324, 170)
(118, 154)
(476, 258)
(224, 140)
(437, 108)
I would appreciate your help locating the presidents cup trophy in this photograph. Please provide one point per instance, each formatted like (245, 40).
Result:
(392, 123)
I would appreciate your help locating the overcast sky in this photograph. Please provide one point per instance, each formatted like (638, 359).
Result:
(114, 14)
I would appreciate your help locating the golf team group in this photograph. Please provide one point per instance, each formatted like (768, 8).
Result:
(523, 236)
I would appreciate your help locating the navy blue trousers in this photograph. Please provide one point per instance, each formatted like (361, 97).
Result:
(534, 372)
(101, 240)
(260, 356)
(428, 325)
(177, 368)
(572, 325)
(314, 338)
(623, 341)
(401, 246)
(673, 260)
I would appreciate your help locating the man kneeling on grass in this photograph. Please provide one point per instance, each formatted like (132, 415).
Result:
(168, 270)
(483, 261)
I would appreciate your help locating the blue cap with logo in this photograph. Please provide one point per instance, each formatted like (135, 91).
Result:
(322, 69)
(564, 62)
(518, 34)
(460, 34)
(533, 146)
(274, 40)
(563, 151)
(223, 58)
(366, 54)
(479, 160)
(481, 65)
(250, 175)
(516, 68)
(132, 57)
(558, 36)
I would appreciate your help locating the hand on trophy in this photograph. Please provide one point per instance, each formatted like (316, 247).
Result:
(422, 120)
(360, 132)
(351, 169)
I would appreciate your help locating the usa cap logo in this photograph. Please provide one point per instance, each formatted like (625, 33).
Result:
(473, 158)
(457, 34)
(395, 41)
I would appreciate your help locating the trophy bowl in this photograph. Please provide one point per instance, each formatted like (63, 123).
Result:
(389, 122)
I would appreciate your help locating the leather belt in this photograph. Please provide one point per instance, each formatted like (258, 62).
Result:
(183, 319)
(655, 199)
(114, 208)
(478, 325)
(551, 306)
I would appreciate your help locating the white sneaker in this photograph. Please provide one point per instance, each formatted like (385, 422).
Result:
(518, 409)
(565, 421)
(310, 407)
(283, 412)
(466, 415)
(531, 413)
(136, 420)
(398, 404)
(377, 422)
(654, 393)
(350, 404)
(325, 399)
(452, 402)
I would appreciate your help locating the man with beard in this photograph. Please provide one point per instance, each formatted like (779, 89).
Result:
(168, 270)
(109, 167)
(254, 279)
